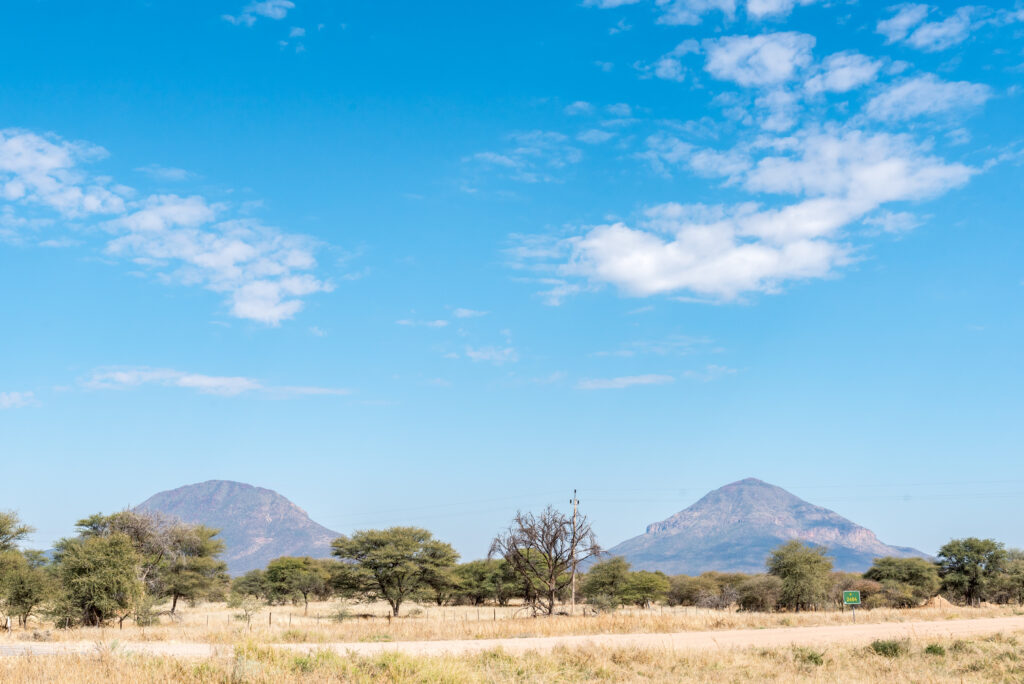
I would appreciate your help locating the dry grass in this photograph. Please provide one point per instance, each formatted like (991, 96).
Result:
(217, 624)
(996, 658)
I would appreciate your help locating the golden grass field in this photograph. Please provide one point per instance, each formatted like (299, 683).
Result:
(247, 654)
(998, 658)
(218, 624)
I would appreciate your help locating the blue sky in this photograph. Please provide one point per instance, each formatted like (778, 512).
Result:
(427, 263)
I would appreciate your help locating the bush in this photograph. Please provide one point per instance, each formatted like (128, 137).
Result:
(935, 650)
(889, 648)
(808, 656)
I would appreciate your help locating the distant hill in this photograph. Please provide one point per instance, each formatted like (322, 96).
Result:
(733, 529)
(256, 524)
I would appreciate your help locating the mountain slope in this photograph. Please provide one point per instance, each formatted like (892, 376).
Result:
(256, 524)
(733, 529)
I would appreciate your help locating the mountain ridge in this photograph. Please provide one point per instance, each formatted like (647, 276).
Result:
(735, 527)
(256, 524)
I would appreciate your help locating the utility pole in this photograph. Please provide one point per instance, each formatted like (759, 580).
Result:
(575, 505)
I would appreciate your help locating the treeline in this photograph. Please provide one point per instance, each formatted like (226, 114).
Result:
(123, 566)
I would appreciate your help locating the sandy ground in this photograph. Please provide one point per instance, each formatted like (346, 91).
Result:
(740, 638)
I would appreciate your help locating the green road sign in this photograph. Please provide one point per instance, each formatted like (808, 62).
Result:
(851, 598)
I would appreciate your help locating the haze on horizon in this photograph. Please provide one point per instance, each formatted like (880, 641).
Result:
(429, 263)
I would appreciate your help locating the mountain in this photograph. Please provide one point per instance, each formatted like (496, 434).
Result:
(733, 529)
(256, 524)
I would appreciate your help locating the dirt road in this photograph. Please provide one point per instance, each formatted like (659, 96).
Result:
(740, 638)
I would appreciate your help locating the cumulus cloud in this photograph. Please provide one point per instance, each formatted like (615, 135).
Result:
(42, 170)
(722, 252)
(926, 95)
(165, 173)
(225, 386)
(624, 382)
(579, 107)
(940, 35)
(13, 400)
(762, 60)
(263, 272)
(758, 9)
(843, 72)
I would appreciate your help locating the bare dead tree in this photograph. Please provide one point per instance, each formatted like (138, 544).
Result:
(541, 550)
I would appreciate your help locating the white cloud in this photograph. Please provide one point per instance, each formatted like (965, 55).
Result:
(926, 95)
(535, 157)
(722, 252)
(758, 9)
(422, 324)
(226, 386)
(263, 272)
(893, 221)
(164, 173)
(709, 373)
(843, 72)
(296, 32)
(691, 12)
(271, 9)
(579, 107)
(897, 27)
(767, 59)
(468, 313)
(495, 355)
(619, 109)
(624, 382)
(13, 400)
(594, 136)
(940, 35)
(609, 4)
(41, 170)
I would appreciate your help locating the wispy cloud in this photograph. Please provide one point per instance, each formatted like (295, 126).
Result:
(468, 313)
(13, 400)
(623, 382)
(496, 355)
(269, 9)
(165, 173)
(439, 323)
(226, 386)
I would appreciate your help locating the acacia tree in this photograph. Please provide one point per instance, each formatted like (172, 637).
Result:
(12, 531)
(392, 564)
(804, 571)
(99, 579)
(191, 569)
(289, 576)
(542, 548)
(968, 565)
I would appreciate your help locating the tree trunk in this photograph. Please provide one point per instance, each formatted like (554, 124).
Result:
(174, 603)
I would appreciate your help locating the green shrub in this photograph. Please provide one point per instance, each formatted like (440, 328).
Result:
(889, 648)
(935, 650)
(808, 656)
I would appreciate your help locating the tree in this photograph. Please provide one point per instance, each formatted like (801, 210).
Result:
(252, 583)
(760, 593)
(804, 571)
(393, 564)
(98, 578)
(24, 584)
(605, 582)
(968, 565)
(905, 582)
(477, 581)
(1009, 584)
(643, 588)
(192, 570)
(12, 531)
(542, 548)
(288, 577)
